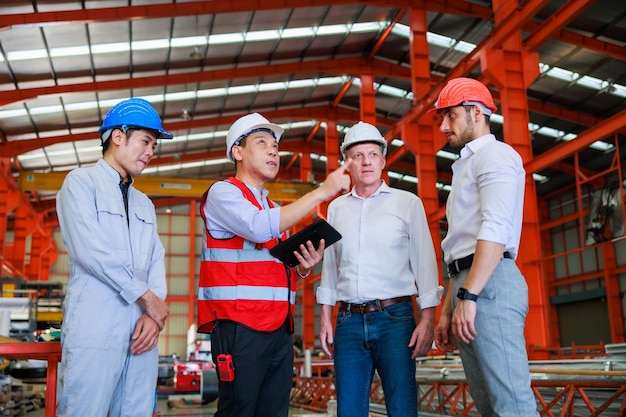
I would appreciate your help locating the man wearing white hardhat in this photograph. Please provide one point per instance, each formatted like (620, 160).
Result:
(384, 262)
(114, 307)
(246, 297)
(485, 307)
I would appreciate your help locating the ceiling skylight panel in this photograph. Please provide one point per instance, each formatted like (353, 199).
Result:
(443, 187)
(247, 89)
(390, 91)
(562, 74)
(262, 35)
(187, 41)
(618, 90)
(448, 155)
(332, 80)
(226, 38)
(110, 48)
(213, 92)
(402, 177)
(368, 26)
(24, 55)
(46, 109)
(150, 44)
(301, 83)
(6, 114)
(69, 51)
(332, 30)
(182, 95)
(465, 47)
(85, 105)
(265, 87)
(290, 33)
(436, 39)
(591, 82)
(602, 146)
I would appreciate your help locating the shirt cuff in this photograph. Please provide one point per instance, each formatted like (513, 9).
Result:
(326, 296)
(133, 291)
(430, 299)
(274, 214)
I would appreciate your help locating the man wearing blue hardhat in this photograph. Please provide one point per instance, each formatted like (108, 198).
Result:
(114, 306)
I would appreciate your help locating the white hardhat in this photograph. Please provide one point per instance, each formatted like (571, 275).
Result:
(362, 132)
(247, 124)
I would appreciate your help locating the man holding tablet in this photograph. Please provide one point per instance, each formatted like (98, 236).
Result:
(246, 296)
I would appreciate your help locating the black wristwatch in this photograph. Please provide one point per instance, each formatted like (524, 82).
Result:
(463, 294)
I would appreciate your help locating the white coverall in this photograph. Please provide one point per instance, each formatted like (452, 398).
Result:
(113, 261)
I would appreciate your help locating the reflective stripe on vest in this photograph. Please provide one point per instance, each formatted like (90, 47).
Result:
(245, 292)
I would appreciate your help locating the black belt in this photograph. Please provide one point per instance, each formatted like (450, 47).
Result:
(373, 306)
(459, 265)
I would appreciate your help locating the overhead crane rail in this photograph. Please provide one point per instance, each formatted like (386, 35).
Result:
(166, 186)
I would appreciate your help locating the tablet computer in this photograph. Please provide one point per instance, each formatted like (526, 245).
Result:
(319, 229)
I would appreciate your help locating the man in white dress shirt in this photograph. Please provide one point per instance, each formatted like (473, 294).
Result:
(487, 300)
(384, 261)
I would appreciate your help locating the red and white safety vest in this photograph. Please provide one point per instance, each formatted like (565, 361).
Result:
(241, 281)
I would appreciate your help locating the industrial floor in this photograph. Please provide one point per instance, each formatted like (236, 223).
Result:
(163, 410)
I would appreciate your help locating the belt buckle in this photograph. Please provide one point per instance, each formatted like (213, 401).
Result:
(362, 308)
(454, 264)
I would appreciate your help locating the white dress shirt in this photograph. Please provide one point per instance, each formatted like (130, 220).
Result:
(386, 250)
(486, 200)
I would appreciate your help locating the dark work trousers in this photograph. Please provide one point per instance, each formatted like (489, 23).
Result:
(263, 370)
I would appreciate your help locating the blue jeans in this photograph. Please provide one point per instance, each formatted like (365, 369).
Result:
(496, 362)
(375, 341)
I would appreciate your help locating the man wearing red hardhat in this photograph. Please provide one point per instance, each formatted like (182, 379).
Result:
(246, 297)
(374, 273)
(487, 300)
(114, 307)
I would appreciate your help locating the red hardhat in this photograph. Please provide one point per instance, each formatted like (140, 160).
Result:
(460, 91)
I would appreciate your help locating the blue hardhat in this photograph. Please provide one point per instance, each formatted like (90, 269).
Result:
(133, 113)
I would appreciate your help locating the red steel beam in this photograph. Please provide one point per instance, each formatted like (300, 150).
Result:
(345, 66)
(458, 7)
(157, 11)
(503, 31)
(613, 50)
(559, 19)
(586, 138)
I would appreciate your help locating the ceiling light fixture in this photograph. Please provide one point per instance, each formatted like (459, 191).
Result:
(195, 54)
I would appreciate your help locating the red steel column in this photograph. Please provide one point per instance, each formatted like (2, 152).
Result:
(8, 201)
(420, 61)
(420, 138)
(613, 294)
(512, 70)
(547, 266)
(368, 100)
(24, 226)
(191, 286)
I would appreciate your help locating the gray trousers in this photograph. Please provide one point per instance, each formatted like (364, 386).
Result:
(496, 362)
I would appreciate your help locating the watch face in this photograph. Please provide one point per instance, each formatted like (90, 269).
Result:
(463, 294)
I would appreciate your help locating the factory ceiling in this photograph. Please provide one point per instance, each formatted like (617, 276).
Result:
(303, 64)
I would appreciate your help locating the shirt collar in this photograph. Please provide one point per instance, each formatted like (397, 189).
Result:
(384, 188)
(474, 146)
(111, 172)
